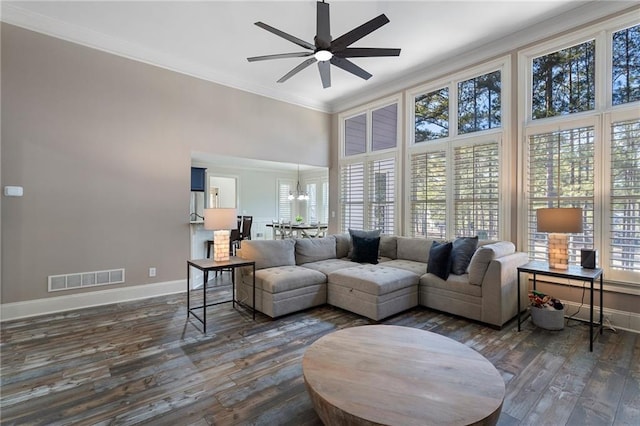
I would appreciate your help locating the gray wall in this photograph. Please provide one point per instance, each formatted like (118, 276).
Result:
(102, 146)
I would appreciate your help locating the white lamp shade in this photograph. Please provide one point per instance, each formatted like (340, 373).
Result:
(559, 220)
(220, 219)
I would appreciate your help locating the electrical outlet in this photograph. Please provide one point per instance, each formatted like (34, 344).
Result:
(152, 272)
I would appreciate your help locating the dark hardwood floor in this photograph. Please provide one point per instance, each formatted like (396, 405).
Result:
(143, 362)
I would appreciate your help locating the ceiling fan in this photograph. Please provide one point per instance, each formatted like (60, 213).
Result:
(326, 51)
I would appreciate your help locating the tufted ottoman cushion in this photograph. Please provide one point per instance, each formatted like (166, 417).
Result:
(284, 289)
(285, 278)
(374, 291)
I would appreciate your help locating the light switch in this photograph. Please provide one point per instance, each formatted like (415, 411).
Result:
(13, 191)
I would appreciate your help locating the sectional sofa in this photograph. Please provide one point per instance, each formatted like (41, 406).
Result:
(296, 274)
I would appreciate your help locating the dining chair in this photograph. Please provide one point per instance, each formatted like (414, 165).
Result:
(286, 231)
(318, 232)
(245, 234)
(277, 232)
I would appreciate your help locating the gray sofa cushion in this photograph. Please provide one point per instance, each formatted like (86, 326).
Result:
(269, 253)
(416, 249)
(343, 244)
(388, 246)
(315, 249)
(484, 255)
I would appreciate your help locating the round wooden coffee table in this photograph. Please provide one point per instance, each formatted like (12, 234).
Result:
(384, 374)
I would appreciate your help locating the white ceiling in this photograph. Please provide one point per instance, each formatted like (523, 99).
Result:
(212, 39)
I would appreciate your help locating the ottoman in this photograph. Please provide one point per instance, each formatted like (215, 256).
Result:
(373, 291)
(281, 290)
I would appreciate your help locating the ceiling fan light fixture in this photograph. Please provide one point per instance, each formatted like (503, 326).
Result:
(323, 55)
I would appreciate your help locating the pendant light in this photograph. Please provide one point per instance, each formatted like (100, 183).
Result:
(299, 194)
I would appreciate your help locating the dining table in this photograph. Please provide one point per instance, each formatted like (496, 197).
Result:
(300, 229)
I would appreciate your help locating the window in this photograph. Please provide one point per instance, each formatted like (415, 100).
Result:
(476, 171)
(455, 175)
(429, 194)
(626, 66)
(384, 128)
(284, 204)
(355, 135)
(431, 115)
(368, 169)
(560, 174)
(564, 81)
(479, 103)
(382, 195)
(590, 160)
(624, 243)
(312, 204)
(352, 196)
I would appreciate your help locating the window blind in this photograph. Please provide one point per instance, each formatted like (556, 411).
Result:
(428, 194)
(384, 127)
(561, 174)
(476, 191)
(624, 240)
(284, 205)
(355, 135)
(312, 204)
(352, 196)
(382, 189)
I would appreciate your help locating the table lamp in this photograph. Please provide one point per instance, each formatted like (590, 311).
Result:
(220, 221)
(559, 222)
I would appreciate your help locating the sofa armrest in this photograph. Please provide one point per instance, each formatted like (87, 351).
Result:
(499, 289)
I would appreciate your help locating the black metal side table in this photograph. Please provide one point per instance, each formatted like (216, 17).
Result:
(209, 265)
(574, 272)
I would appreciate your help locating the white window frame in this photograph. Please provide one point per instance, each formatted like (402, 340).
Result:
(369, 155)
(600, 118)
(449, 143)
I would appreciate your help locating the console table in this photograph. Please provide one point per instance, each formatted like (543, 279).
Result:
(208, 265)
(574, 272)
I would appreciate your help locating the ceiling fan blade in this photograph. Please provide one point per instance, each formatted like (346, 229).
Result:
(279, 56)
(349, 66)
(296, 70)
(323, 28)
(363, 52)
(357, 33)
(325, 73)
(286, 36)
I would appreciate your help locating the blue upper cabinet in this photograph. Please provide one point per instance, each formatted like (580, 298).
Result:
(198, 179)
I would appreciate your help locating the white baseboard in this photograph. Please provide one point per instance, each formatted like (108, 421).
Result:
(50, 305)
(620, 320)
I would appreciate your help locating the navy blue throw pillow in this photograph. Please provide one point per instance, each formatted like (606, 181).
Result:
(461, 253)
(365, 250)
(439, 259)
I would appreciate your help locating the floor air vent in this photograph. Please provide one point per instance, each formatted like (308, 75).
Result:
(85, 279)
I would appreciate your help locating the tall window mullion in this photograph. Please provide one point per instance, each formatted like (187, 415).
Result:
(624, 238)
(476, 191)
(429, 194)
(381, 198)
